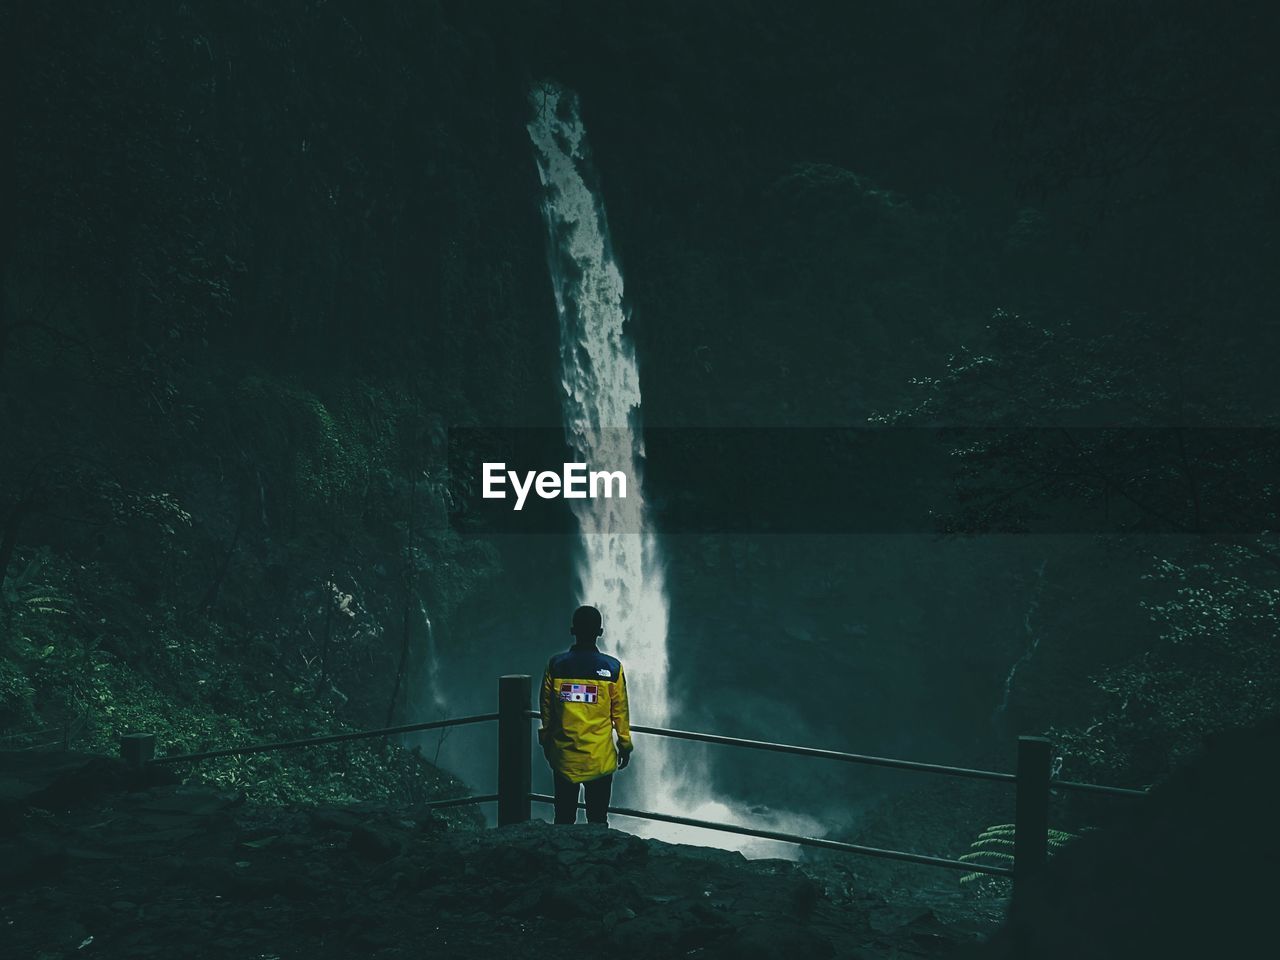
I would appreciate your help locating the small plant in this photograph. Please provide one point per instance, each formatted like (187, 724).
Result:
(994, 848)
(43, 601)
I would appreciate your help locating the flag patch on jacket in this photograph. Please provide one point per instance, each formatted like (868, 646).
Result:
(578, 692)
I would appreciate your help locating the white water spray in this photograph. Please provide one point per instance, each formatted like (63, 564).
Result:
(620, 568)
(1033, 641)
(435, 690)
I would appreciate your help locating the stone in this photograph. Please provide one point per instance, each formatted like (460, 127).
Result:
(32, 861)
(615, 917)
(55, 779)
(804, 897)
(524, 904)
(334, 818)
(373, 844)
(778, 941)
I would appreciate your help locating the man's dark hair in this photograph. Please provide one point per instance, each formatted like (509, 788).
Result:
(586, 624)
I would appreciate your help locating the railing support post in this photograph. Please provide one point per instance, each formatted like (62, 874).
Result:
(514, 751)
(1031, 809)
(137, 749)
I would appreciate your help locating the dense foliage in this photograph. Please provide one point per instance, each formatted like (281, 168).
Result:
(1133, 436)
(240, 300)
(255, 259)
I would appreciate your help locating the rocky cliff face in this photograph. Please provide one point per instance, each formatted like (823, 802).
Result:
(92, 869)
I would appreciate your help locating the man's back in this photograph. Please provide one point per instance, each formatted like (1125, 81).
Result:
(583, 704)
(584, 699)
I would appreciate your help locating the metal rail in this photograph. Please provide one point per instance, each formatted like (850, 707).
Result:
(829, 754)
(1097, 788)
(330, 738)
(891, 762)
(801, 840)
(514, 796)
(461, 801)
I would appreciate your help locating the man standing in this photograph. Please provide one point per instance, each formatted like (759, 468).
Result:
(584, 701)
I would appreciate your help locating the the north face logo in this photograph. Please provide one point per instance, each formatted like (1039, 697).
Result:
(602, 672)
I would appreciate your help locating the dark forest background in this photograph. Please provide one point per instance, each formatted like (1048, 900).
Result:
(256, 259)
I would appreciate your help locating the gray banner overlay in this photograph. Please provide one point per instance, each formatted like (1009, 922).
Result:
(1044, 480)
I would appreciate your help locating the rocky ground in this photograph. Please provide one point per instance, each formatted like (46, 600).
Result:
(94, 865)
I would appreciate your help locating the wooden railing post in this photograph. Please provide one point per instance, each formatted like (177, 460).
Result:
(1031, 809)
(514, 751)
(137, 749)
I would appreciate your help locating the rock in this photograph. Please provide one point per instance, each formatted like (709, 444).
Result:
(334, 818)
(524, 904)
(154, 877)
(173, 867)
(35, 860)
(804, 897)
(190, 801)
(777, 941)
(797, 634)
(426, 819)
(67, 933)
(94, 916)
(292, 841)
(670, 933)
(246, 886)
(53, 780)
(569, 903)
(517, 861)
(373, 844)
(615, 917)
(208, 873)
(615, 847)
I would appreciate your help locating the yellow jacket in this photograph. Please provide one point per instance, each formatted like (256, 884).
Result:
(583, 701)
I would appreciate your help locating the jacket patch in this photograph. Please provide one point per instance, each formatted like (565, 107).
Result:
(602, 672)
(578, 692)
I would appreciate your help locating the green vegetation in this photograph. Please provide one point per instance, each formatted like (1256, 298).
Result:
(1186, 493)
(1212, 664)
(241, 295)
(80, 682)
(994, 848)
(255, 259)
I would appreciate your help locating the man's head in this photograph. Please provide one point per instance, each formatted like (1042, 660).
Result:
(586, 625)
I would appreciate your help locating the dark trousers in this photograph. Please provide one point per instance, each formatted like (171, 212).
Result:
(597, 792)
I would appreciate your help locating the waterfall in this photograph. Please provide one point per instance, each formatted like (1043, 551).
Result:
(619, 568)
(435, 690)
(1033, 641)
(433, 693)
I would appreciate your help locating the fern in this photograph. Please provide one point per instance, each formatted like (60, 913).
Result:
(999, 830)
(39, 600)
(994, 847)
(995, 854)
(48, 603)
(991, 842)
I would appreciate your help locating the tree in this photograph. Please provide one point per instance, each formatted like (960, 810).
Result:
(1134, 431)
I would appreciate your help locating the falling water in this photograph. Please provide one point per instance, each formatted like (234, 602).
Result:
(619, 567)
(435, 691)
(1033, 642)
